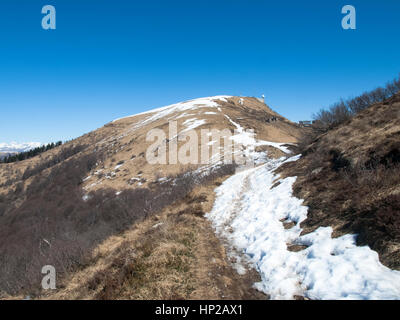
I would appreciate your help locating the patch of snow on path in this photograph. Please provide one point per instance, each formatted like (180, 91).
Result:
(248, 214)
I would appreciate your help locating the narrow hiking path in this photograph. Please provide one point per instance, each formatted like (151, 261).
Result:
(173, 255)
(235, 219)
(259, 219)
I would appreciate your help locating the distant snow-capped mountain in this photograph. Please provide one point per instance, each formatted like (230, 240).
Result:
(15, 147)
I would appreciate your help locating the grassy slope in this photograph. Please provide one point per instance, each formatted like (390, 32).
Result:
(41, 202)
(350, 179)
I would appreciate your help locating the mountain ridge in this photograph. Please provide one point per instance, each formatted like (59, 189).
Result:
(100, 185)
(128, 228)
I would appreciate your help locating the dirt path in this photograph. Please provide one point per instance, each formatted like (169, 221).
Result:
(173, 255)
(217, 278)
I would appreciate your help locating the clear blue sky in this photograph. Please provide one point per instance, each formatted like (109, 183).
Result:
(108, 59)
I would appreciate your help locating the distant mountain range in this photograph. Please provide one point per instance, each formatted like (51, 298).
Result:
(15, 147)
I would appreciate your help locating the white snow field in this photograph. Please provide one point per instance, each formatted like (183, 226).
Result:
(249, 214)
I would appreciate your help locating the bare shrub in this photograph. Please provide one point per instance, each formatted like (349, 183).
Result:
(345, 109)
(55, 226)
(64, 154)
(338, 160)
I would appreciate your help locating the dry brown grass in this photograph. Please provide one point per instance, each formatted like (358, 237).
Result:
(173, 255)
(350, 179)
(56, 226)
(49, 193)
(124, 141)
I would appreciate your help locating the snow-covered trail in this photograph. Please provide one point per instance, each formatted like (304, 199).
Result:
(249, 213)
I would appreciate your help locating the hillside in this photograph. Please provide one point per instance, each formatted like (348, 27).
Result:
(84, 204)
(323, 224)
(139, 210)
(349, 178)
(125, 139)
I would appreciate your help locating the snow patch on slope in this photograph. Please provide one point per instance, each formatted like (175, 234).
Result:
(191, 124)
(249, 211)
(246, 138)
(209, 102)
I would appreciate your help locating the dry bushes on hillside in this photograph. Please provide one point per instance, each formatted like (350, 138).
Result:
(345, 109)
(349, 177)
(357, 197)
(64, 154)
(55, 225)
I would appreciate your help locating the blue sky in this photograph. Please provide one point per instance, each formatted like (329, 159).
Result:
(108, 59)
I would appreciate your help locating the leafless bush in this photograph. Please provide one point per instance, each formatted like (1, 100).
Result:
(345, 109)
(55, 226)
(63, 155)
(305, 141)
